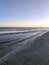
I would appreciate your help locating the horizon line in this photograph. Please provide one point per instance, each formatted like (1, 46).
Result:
(24, 27)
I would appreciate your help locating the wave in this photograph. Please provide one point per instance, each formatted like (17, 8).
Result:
(14, 32)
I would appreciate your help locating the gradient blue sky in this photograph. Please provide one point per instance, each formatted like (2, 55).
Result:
(24, 12)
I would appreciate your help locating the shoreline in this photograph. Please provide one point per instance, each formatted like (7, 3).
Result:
(34, 48)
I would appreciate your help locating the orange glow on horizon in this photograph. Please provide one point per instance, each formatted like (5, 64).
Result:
(26, 25)
(41, 23)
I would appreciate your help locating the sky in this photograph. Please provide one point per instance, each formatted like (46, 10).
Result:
(24, 13)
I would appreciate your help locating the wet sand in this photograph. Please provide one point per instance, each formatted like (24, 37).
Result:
(35, 52)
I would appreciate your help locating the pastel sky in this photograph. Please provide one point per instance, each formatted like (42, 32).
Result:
(31, 13)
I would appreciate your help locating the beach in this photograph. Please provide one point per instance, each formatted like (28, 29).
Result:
(24, 47)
